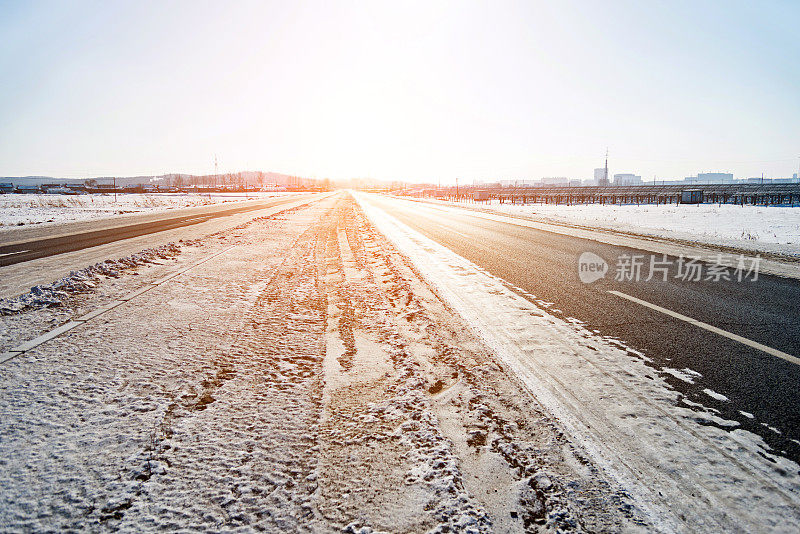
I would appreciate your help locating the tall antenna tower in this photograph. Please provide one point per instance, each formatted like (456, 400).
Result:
(605, 174)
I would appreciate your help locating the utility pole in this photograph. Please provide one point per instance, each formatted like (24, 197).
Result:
(215, 175)
(456, 189)
(115, 189)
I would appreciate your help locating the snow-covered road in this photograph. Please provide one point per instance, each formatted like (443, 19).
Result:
(330, 369)
(293, 374)
(16, 279)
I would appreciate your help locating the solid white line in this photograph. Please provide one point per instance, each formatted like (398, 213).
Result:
(711, 328)
(47, 336)
(11, 354)
(52, 334)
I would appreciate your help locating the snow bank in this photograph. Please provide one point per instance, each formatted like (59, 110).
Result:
(84, 280)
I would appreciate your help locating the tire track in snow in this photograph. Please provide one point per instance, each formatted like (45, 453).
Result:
(436, 436)
(400, 475)
(686, 476)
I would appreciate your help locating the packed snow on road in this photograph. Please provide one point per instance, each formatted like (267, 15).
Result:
(329, 369)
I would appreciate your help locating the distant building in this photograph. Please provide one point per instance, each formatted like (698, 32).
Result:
(599, 176)
(27, 188)
(519, 183)
(558, 180)
(627, 179)
(273, 187)
(715, 177)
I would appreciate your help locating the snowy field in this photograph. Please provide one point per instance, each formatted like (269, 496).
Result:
(22, 210)
(774, 229)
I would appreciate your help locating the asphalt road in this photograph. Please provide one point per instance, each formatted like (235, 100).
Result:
(765, 311)
(27, 244)
(18, 278)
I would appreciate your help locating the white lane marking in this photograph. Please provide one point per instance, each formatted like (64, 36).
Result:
(47, 336)
(711, 328)
(4, 357)
(52, 334)
(13, 253)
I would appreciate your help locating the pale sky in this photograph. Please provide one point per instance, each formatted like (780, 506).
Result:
(400, 90)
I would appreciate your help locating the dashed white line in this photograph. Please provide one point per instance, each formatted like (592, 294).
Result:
(711, 328)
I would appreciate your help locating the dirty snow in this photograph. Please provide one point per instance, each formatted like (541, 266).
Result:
(84, 280)
(689, 469)
(302, 379)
